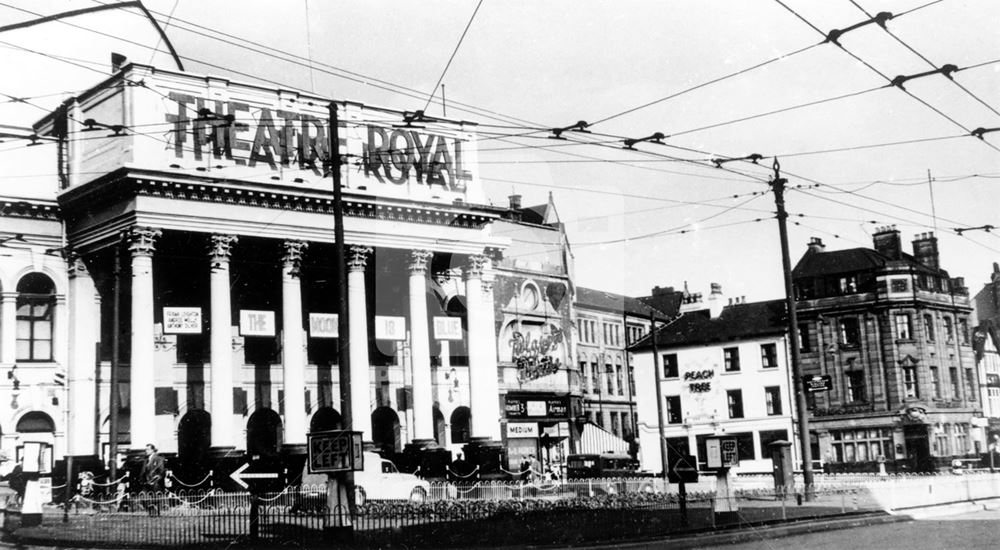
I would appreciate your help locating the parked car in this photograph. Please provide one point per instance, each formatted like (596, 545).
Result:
(380, 480)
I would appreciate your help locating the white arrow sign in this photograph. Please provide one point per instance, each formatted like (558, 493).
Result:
(239, 475)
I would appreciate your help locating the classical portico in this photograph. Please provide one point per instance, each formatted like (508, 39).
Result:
(230, 283)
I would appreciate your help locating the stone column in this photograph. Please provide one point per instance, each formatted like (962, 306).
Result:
(220, 344)
(81, 370)
(491, 385)
(480, 393)
(420, 351)
(141, 244)
(8, 322)
(358, 338)
(293, 344)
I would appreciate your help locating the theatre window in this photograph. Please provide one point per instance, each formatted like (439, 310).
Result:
(35, 304)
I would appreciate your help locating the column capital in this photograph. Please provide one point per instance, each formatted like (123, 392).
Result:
(220, 247)
(419, 260)
(475, 266)
(292, 257)
(142, 240)
(357, 257)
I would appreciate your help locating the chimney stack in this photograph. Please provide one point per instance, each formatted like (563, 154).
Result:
(515, 202)
(716, 301)
(925, 250)
(816, 245)
(886, 241)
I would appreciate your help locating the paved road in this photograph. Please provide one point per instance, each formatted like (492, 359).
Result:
(958, 532)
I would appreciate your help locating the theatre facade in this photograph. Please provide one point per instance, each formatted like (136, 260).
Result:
(208, 205)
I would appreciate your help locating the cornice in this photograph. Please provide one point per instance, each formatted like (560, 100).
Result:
(125, 183)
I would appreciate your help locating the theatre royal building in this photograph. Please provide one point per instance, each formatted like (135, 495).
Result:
(197, 214)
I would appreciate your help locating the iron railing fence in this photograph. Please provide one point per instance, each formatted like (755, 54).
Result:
(479, 513)
(300, 516)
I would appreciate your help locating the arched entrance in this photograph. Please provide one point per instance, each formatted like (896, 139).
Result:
(385, 430)
(325, 418)
(461, 417)
(194, 435)
(264, 433)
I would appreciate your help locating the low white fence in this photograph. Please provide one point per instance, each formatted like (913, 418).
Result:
(889, 492)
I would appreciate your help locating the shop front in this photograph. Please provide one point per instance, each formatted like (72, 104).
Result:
(539, 425)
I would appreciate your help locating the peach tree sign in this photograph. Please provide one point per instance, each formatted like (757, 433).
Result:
(536, 350)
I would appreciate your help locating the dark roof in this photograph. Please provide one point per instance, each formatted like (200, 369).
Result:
(851, 260)
(607, 301)
(736, 322)
(667, 302)
(535, 214)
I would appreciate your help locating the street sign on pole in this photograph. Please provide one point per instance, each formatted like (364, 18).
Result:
(241, 474)
(721, 452)
(335, 451)
(684, 469)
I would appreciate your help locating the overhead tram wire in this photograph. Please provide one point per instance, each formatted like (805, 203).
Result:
(704, 84)
(472, 18)
(326, 68)
(926, 60)
(737, 73)
(883, 75)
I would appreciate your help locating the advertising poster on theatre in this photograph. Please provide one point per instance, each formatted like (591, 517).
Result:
(281, 138)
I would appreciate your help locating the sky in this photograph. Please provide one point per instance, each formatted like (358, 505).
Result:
(709, 75)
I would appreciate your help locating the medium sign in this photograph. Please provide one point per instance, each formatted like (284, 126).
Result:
(182, 320)
(522, 430)
(256, 323)
(447, 328)
(324, 325)
(390, 328)
(721, 452)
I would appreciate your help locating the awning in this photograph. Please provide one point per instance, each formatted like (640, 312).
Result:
(596, 440)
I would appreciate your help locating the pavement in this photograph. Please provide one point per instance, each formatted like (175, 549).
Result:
(732, 536)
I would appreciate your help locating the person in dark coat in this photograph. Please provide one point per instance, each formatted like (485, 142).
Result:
(152, 477)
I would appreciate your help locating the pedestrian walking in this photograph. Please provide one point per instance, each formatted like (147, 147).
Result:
(152, 477)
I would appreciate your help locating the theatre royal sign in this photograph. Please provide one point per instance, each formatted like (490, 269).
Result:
(278, 137)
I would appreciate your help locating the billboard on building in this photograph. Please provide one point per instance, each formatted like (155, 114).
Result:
(199, 125)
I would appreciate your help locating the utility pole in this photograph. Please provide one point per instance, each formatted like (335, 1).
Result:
(798, 383)
(659, 394)
(343, 323)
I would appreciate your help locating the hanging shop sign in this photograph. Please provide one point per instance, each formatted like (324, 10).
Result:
(535, 407)
(182, 320)
(324, 325)
(390, 328)
(256, 323)
(447, 328)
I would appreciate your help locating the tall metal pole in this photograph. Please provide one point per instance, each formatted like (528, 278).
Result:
(343, 322)
(116, 300)
(629, 378)
(659, 395)
(798, 384)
